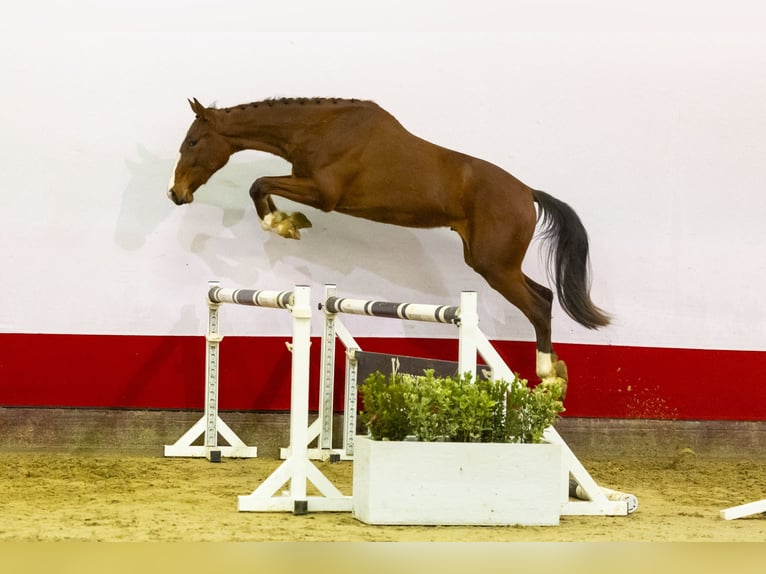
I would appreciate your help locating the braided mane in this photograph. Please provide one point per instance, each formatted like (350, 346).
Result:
(272, 102)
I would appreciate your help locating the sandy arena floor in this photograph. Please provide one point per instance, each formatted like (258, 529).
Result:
(50, 497)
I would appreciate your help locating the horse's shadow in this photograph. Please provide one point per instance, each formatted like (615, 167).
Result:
(341, 248)
(336, 249)
(144, 205)
(223, 230)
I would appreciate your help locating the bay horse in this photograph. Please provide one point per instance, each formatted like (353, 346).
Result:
(353, 157)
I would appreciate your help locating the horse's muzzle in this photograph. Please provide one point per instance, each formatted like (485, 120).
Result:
(176, 199)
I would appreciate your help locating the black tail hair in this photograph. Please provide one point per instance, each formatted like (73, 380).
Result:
(568, 259)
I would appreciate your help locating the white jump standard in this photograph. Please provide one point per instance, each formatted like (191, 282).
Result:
(297, 469)
(333, 327)
(211, 425)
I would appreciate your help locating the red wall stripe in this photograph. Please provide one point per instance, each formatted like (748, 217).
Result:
(167, 372)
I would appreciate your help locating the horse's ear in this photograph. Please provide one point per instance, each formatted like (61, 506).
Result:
(198, 109)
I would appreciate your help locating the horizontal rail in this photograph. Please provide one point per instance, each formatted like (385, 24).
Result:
(408, 311)
(252, 297)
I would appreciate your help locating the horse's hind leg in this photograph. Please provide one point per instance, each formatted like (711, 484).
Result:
(558, 367)
(535, 301)
(499, 262)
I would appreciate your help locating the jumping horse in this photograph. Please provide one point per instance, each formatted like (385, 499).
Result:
(353, 157)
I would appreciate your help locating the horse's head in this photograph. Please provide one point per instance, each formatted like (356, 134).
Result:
(203, 152)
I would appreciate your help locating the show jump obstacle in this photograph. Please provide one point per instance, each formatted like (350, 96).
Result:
(297, 469)
(211, 424)
(575, 481)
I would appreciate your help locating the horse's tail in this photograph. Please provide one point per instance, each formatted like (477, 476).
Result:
(568, 258)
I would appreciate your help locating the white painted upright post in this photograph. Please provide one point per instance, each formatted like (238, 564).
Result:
(334, 328)
(469, 323)
(351, 403)
(213, 338)
(327, 376)
(299, 399)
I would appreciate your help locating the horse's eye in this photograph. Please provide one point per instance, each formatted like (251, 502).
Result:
(191, 142)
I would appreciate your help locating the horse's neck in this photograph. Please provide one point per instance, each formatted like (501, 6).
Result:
(273, 128)
(278, 126)
(254, 131)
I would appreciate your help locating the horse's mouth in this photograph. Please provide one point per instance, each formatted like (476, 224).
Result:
(179, 200)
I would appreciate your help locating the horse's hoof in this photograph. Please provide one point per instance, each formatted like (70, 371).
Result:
(562, 373)
(555, 383)
(561, 370)
(266, 222)
(287, 229)
(271, 220)
(299, 220)
(285, 225)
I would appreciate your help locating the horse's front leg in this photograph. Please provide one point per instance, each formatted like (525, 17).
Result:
(263, 203)
(272, 219)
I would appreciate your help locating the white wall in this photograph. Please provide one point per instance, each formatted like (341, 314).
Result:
(647, 116)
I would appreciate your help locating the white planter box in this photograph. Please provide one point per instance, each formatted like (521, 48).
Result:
(456, 483)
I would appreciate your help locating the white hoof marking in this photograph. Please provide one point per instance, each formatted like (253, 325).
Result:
(544, 365)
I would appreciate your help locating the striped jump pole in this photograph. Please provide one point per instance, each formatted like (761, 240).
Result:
(465, 317)
(406, 311)
(251, 297)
